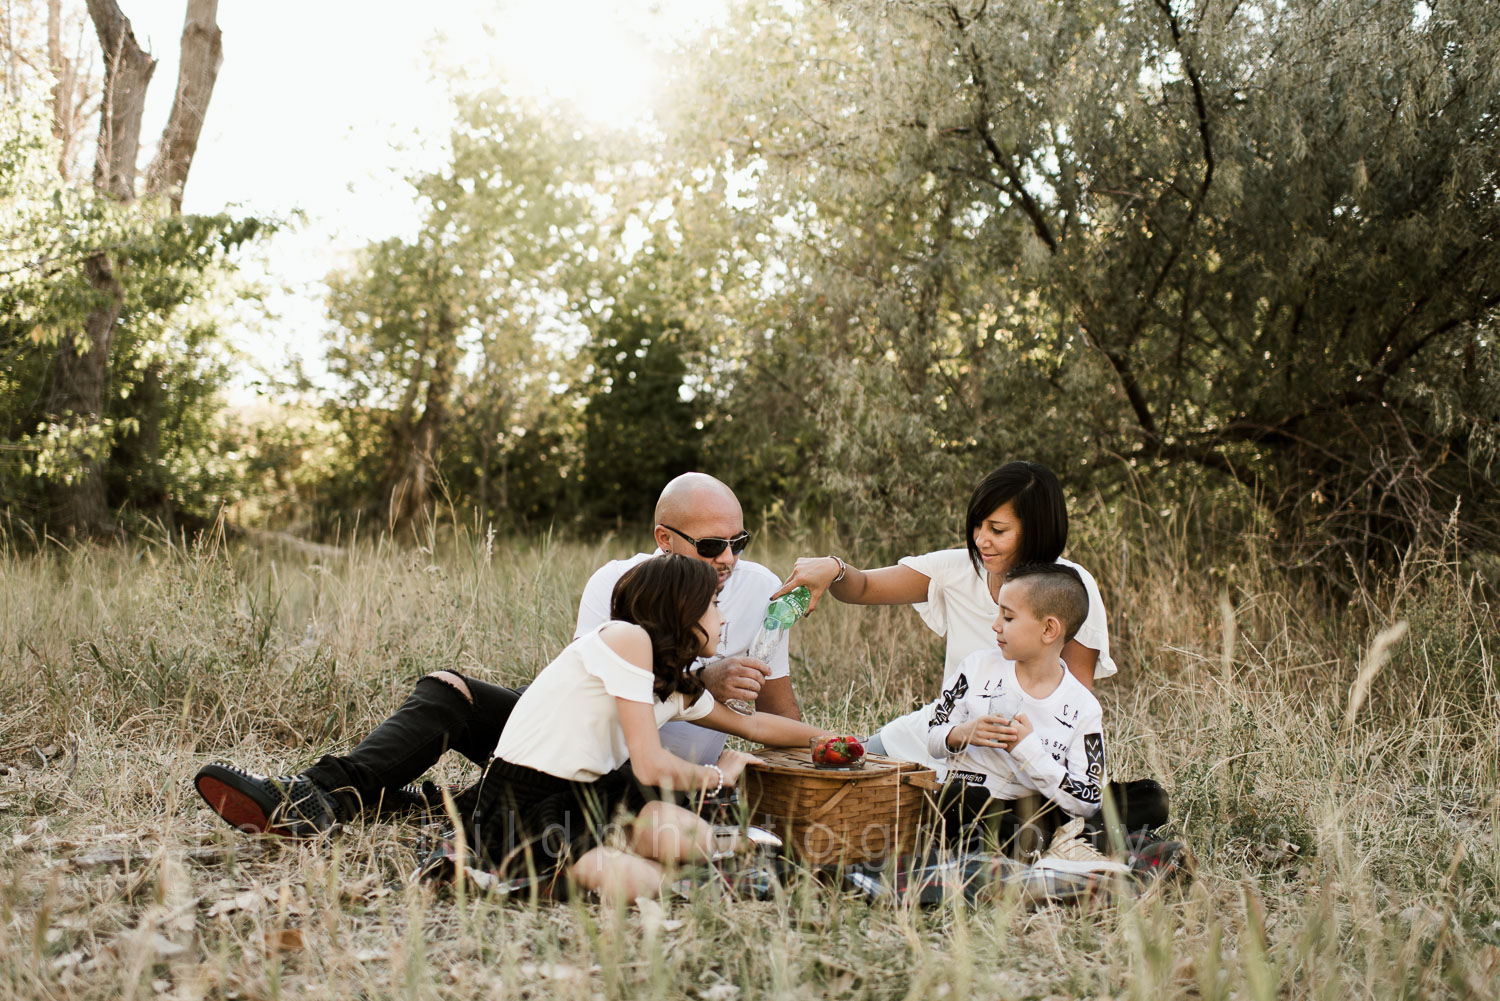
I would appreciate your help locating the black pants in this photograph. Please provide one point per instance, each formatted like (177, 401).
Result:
(521, 820)
(972, 819)
(434, 719)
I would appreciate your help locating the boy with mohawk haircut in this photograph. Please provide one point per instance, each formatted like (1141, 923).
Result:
(1022, 738)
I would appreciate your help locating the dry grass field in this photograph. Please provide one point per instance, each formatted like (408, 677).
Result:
(1336, 859)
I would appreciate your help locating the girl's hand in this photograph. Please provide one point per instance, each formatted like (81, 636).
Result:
(986, 731)
(815, 573)
(732, 764)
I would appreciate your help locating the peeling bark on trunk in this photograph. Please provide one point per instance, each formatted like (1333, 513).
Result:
(202, 54)
(127, 72)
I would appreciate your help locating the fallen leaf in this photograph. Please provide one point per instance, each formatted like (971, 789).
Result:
(369, 888)
(285, 940)
(369, 955)
(250, 900)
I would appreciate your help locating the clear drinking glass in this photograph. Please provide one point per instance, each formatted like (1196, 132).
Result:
(1005, 706)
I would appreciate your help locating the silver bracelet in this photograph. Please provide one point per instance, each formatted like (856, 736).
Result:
(715, 790)
(843, 569)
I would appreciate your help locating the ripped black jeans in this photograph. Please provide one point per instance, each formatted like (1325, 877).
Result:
(434, 719)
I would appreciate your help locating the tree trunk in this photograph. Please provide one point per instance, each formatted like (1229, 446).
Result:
(485, 439)
(62, 90)
(79, 506)
(488, 436)
(78, 387)
(503, 506)
(127, 72)
(202, 54)
(412, 489)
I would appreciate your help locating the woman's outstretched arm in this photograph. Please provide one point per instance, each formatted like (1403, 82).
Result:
(895, 585)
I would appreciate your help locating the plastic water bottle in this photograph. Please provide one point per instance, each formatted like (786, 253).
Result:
(781, 615)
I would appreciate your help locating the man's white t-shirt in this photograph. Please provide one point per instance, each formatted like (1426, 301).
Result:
(960, 609)
(567, 723)
(1063, 756)
(742, 601)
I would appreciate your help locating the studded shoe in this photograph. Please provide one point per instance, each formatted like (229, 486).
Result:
(292, 806)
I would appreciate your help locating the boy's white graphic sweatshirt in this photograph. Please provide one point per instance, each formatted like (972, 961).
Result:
(1062, 758)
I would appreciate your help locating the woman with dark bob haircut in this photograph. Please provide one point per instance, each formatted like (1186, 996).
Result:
(1016, 515)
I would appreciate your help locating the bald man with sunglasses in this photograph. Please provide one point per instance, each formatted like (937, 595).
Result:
(696, 515)
(700, 516)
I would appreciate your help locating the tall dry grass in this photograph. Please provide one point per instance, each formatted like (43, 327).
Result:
(1336, 860)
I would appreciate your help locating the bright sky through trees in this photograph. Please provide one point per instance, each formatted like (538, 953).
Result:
(324, 108)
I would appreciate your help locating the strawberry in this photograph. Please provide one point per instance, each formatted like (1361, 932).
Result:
(837, 751)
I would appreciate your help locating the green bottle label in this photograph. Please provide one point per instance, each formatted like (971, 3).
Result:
(787, 609)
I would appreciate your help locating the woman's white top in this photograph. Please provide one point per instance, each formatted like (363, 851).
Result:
(567, 723)
(959, 608)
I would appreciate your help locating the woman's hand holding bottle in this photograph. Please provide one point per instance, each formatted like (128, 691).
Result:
(816, 573)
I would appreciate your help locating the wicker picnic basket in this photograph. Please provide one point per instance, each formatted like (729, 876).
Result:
(830, 816)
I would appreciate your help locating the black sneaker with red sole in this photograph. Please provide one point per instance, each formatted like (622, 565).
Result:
(291, 806)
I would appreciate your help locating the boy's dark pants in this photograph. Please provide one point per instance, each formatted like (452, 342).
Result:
(434, 719)
(974, 820)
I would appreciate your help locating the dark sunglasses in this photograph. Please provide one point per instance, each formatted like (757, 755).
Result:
(709, 548)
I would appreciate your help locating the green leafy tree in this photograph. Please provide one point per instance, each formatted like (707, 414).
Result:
(153, 446)
(473, 312)
(1243, 243)
(640, 429)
